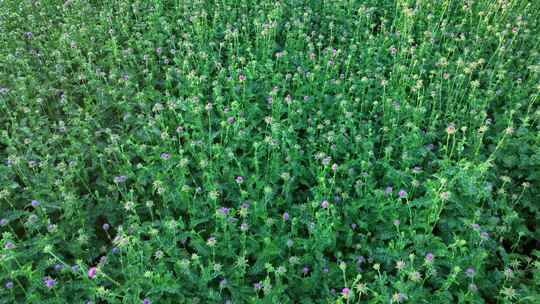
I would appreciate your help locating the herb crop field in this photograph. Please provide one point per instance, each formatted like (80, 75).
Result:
(228, 151)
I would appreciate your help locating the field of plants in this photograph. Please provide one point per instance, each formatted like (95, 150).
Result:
(284, 151)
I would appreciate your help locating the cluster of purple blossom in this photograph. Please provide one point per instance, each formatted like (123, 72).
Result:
(402, 193)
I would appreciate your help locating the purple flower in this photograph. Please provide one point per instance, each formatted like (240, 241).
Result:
(165, 156)
(326, 160)
(34, 203)
(9, 285)
(3, 222)
(211, 241)
(58, 267)
(402, 193)
(289, 243)
(397, 222)
(353, 226)
(242, 78)
(325, 270)
(239, 179)
(305, 270)
(345, 292)
(9, 245)
(92, 272)
(286, 216)
(49, 282)
(223, 210)
(429, 257)
(120, 179)
(115, 250)
(257, 286)
(106, 226)
(324, 204)
(388, 190)
(470, 272)
(146, 301)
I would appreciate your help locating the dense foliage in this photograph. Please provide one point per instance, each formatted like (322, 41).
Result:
(158, 151)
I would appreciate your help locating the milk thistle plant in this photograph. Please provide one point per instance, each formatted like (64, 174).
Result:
(369, 151)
